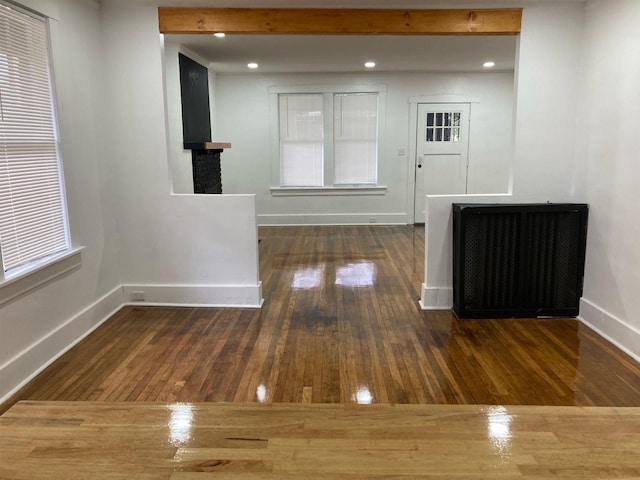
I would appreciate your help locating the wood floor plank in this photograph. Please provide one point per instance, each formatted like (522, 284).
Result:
(340, 324)
(107, 440)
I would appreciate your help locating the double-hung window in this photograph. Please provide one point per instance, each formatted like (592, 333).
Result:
(355, 137)
(33, 224)
(328, 139)
(301, 140)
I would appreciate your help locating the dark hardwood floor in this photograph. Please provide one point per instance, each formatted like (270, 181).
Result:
(340, 324)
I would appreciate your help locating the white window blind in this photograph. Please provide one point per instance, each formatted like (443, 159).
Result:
(301, 140)
(355, 138)
(32, 212)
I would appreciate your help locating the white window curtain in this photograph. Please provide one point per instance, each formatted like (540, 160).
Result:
(355, 138)
(301, 140)
(32, 212)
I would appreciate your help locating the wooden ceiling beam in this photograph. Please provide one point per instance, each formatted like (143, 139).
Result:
(302, 21)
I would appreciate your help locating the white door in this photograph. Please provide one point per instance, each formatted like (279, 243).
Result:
(441, 152)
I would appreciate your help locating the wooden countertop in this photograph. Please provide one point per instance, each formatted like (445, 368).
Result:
(207, 146)
(178, 441)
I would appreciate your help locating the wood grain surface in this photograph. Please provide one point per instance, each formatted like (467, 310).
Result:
(501, 21)
(340, 324)
(82, 440)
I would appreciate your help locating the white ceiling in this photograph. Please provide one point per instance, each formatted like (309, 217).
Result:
(283, 53)
(347, 53)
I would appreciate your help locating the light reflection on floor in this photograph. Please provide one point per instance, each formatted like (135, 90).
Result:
(261, 393)
(363, 395)
(361, 274)
(351, 275)
(180, 423)
(307, 278)
(499, 431)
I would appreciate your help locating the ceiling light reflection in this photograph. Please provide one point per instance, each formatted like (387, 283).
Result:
(362, 396)
(261, 393)
(356, 275)
(499, 430)
(180, 423)
(305, 278)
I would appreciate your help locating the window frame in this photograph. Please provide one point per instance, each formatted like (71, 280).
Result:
(328, 92)
(39, 271)
(317, 143)
(342, 140)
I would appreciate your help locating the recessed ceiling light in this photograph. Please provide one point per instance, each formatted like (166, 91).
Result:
(489, 64)
(370, 64)
(219, 34)
(252, 65)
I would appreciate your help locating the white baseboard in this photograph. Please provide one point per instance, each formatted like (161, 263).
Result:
(335, 219)
(238, 296)
(22, 368)
(626, 337)
(436, 298)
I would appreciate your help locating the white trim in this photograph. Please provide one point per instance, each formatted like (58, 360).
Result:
(136, 303)
(23, 367)
(320, 191)
(444, 99)
(93, 3)
(274, 138)
(228, 296)
(332, 219)
(328, 89)
(43, 8)
(436, 298)
(624, 336)
(39, 273)
(328, 163)
(411, 160)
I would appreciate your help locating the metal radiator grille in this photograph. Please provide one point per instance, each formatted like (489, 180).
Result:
(552, 241)
(491, 260)
(518, 260)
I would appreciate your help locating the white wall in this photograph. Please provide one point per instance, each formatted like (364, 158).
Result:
(607, 157)
(177, 249)
(548, 76)
(243, 117)
(437, 289)
(548, 80)
(37, 326)
(190, 249)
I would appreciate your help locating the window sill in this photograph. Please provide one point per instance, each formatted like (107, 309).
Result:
(325, 191)
(43, 271)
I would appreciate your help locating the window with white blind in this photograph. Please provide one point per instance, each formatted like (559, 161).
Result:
(33, 224)
(301, 140)
(328, 139)
(355, 138)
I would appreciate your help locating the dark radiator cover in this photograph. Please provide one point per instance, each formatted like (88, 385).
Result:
(518, 260)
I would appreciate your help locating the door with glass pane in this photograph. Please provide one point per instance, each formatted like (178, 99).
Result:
(441, 152)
